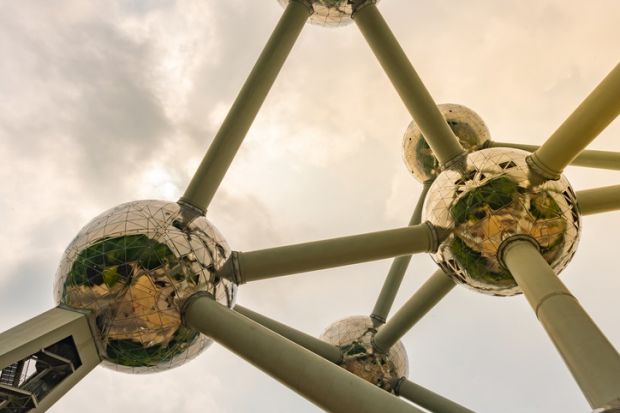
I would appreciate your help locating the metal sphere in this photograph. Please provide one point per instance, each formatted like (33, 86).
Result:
(489, 197)
(332, 13)
(466, 124)
(353, 335)
(133, 266)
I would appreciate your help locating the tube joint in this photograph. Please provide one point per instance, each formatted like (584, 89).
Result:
(541, 169)
(508, 242)
(377, 347)
(377, 320)
(189, 300)
(231, 270)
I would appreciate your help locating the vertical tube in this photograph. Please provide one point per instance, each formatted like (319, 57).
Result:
(427, 399)
(222, 150)
(417, 99)
(420, 303)
(397, 270)
(593, 115)
(330, 387)
(315, 345)
(591, 358)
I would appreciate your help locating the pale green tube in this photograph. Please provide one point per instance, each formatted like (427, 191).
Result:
(322, 382)
(591, 358)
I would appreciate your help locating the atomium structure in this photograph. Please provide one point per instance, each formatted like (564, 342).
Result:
(148, 285)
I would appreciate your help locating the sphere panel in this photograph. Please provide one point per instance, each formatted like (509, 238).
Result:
(489, 197)
(133, 266)
(353, 335)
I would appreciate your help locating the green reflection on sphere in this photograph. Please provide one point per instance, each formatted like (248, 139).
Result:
(132, 267)
(489, 197)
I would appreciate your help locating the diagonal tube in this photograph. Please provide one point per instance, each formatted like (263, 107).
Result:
(593, 115)
(315, 345)
(420, 303)
(224, 147)
(244, 267)
(417, 99)
(403, 387)
(322, 382)
(597, 200)
(397, 270)
(591, 358)
(426, 398)
(587, 158)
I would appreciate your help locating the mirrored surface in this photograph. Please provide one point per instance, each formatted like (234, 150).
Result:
(353, 335)
(133, 266)
(332, 13)
(489, 197)
(466, 124)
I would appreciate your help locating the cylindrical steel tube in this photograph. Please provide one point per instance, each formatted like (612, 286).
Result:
(427, 399)
(591, 358)
(224, 147)
(597, 200)
(593, 115)
(315, 345)
(586, 158)
(417, 99)
(397, 270)
(274, 262)
(330, 387)
(420, 303)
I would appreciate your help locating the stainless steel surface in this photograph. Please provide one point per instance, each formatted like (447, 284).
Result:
(466, 124)
(489, 197)
(132, 266)
(353, 335)
(331, 13)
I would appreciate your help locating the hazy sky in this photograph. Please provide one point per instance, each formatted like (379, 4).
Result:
(104, 102)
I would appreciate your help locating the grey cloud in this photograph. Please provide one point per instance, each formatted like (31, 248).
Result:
(94, 90)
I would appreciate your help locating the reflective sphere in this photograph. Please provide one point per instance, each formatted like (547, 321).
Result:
(466, 125)
(353, 336)
(331, 13)
(133, 266)
(489, 197)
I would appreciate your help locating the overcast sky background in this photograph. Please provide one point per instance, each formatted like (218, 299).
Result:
(104, 102)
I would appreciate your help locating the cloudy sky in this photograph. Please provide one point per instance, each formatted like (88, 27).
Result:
(104, 102)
